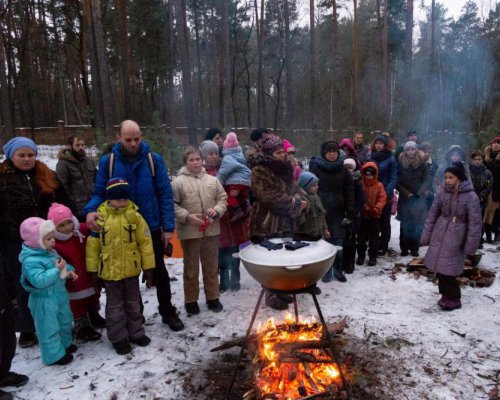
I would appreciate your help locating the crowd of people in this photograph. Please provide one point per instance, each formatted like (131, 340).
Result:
(70, 233)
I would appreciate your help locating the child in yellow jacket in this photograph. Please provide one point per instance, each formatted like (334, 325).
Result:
(117, 253)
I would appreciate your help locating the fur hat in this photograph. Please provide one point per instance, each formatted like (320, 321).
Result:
(330, 145)
(117, 188)
(457, 169)
(16, 143)
(288, 146)
(59, 213)
(307, 179)
(231, 141)
(271, 143)
(208, 146)
(410, 144)
(34, 229)
(210, 134)
(350, 161)
(381, 138)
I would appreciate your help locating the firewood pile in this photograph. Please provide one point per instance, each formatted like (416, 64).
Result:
(472, 275)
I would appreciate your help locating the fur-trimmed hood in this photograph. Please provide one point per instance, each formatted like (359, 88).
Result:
(490, 156)
(414, 162)
(69, 155)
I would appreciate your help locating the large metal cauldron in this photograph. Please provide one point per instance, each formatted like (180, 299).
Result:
(286, 269)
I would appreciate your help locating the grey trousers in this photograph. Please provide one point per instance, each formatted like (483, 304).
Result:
(123, 309)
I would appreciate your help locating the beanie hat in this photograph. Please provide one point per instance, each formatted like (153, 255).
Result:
(329, 146)
(208, 146)
(231, 141)
(117, 188)
(59, 213)
(210, 134)
(16, 143)
(350, 161)
(258, 133)
(288, 146)
(495, 139)
(307, 179)
(426, 146)
(381, 138)
(410, 144)
(271, 143)
(457, 169)
(410, 133)
(34, 229)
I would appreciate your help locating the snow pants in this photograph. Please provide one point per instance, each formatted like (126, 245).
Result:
(53, 323)
(370, 229)
(449, 287)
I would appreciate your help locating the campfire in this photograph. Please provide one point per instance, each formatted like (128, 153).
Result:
(292, 361)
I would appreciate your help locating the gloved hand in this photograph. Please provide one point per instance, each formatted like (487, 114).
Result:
(271, 246)
(148, 275)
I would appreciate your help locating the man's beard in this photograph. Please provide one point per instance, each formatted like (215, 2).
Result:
(79, 153)
(130, 153)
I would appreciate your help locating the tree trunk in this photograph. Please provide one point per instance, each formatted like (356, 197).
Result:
(261, 103)
(408, 74)
(289, 109)
(355, 67)
(125, 68)
(227, 63)
(312, 56)
(187, 90)
(334, 91)
(201, 94)
(385, 61)
(7, 122)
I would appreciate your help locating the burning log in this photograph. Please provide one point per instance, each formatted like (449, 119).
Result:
(334, 328)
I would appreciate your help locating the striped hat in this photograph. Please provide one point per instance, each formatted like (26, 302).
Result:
(117, 188)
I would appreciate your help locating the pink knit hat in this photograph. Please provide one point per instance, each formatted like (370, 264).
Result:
(34, 229)
(59, 213)
(231, 141)
(288, 146)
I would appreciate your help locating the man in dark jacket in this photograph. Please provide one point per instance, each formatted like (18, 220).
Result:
(150, 189)
(7, 343)
(361, 149)
(76, 171)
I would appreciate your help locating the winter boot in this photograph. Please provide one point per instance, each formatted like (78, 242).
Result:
(172, 320)
(192, 308)
(273, 301)
(122, 347)
(360, 260)
(66, 359)
(450, 305)
(13, 379)
(215, 305)
(488, 232)
(237, 213)
(72, 348)
(83, 331)
(95, 319)
(372, 262)
(142, 341)
(27, 339)
(339, 275)
(328, 277)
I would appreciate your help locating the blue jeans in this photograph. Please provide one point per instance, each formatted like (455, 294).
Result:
(229, 268)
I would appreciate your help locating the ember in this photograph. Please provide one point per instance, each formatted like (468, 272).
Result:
(293, 360)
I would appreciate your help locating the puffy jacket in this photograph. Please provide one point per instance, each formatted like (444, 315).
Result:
(233, 169)
(492, 161)
(153, 195)
(195, 194)
(374, 193)
(77, 177)
(387, 170)
(482, 180)
(122, 247)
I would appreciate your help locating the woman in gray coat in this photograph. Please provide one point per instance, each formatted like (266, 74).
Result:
(453, 230)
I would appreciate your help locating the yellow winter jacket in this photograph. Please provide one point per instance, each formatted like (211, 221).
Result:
(122, 247)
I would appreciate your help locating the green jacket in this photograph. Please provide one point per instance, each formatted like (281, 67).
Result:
(312, 221)
(122, 247)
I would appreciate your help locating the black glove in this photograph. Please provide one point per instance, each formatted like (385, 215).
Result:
(295, 246)
(271, 246)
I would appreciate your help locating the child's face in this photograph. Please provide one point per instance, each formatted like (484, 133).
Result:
(350, 168)
(193, 163)
(477, 161)
(279, 154)
(66, 227)
(450, 179)
(212, 158)
(369, 175)
(378, 146)
(455, 157)
(49, 241)
(118, 203)
(313, 189)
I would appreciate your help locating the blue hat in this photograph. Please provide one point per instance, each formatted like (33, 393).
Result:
(117, 188)
(16, 143)
(307, 179)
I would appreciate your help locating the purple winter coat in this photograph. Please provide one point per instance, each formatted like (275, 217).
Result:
(453, 229)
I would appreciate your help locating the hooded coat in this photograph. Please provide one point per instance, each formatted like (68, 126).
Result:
(77, 176)
(374, 193)
(413, 186)
(387, 169)
(453, 229)
(492, 161)
(277, 197)
(336, 191)
(48, 301)
(123, 246)
(439, 177)
(195, 194)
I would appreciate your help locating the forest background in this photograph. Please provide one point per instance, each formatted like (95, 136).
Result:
(336, 67)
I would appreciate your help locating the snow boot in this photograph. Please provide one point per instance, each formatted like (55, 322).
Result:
(173, 321)
(96, 320)
(13, 379)
(450, 305)
(27, 339)
(192, 308)
(66, 359)
(215, 305)
(83, 331)
(122, 347)
(142, 341)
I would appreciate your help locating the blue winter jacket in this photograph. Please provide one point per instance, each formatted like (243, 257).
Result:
(156, 204)
(233, 169)
(387, 173)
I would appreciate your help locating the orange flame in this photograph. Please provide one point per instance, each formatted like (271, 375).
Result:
(297, 373)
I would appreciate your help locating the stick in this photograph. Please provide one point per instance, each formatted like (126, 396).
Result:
(489, 297)
(458, 333)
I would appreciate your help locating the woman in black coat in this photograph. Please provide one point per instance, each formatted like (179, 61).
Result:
(336, 191)
(27, 189)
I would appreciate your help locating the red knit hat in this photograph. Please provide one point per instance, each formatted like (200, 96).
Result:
(231, 141)
(495, 139)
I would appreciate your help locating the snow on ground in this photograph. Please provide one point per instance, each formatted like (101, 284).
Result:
(432, 362)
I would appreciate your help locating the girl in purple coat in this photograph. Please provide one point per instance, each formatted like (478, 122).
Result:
(453, 230)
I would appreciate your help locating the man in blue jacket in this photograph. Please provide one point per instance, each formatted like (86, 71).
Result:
(150, 189)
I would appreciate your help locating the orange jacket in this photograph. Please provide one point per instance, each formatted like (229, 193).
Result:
(375, 197)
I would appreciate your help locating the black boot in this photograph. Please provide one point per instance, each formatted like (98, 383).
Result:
(95, 319)
(488, 231)
(83, 331)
